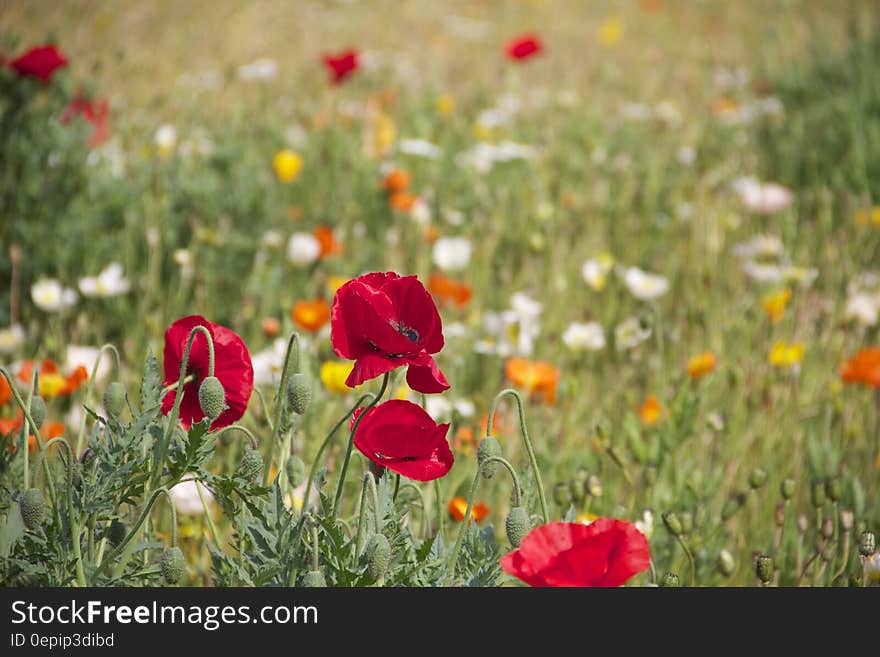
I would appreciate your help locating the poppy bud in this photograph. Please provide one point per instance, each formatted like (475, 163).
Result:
(787, 488)
(33, 508)
(299, 393)
(488, 447)
(116, 532)
(725, 565)
(88, 454)
(212, 397)
(517, 525)
(867, 544)
(764, 568)
(732, 505)
(757, 478)
(594, 486)
(314, 579)
(673, 523)
(251, 465)
(38, 410)
(670, 580)
(827, 527)
(846, 520)
(802, 523)
(172, 564)
(114, 399)
(378, 555)
(578, 485)
(817, 492)
(296, 471)
(561, 494)
(834, 488)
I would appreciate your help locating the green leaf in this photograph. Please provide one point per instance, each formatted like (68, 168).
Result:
(11, 530)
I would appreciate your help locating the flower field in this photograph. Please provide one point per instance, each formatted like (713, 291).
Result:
(546, 293)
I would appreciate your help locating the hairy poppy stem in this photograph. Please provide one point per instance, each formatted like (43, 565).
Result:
(362, 514)
(90, 386)
(73, 522)
(528, 441)
(465, 522)
(252, 441)
(517, 501)
(25, 447)
(347, 458)
(292, 347)
(211, 526)
(690, 560)
(425, 520)
(178, 398)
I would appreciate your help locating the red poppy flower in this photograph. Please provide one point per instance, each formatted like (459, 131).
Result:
(606, 552)
(383, 321)
(341, 65)
(232, 365)
(864, 368)
(39, 62)
(402, 437)
(523, 47)
(94, 112)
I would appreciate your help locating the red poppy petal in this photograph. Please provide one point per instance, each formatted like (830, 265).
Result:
(369, 366)
(416, 309)
(427, 379)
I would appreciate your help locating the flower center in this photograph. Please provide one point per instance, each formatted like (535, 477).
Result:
(403, 329)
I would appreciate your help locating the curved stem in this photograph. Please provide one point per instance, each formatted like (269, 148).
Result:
(178, 397)
(690, 560)
(465, 522)
(347, 458)
(315, 546)
(292, 347)
(91, 385)
(254, 443)
(517, 501)
(412, 486)
(265, 408)
(211, 526)
(528, 441)
(72, 521)
(25, 447)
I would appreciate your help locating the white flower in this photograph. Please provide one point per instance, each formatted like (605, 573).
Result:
(109, 283)
(86, 356)
(272, 239)
(524, 306)
(182, 258)
(438, 407)
(630, 333)
(645, 286)
(49, 295)
(762, 198)
(421, 212)
(464, 407)
(646, 524)
(419, 147)
(261, 70)
(595, 271)
(761, 273)
(452, 253)
(185, 496)
(267, 363)
(303, 249)
(759, 246)
(584, 337)
(863, 307)
(455, 330)
(803, 275)
(166, 138)
(686, 156)
(11, 338)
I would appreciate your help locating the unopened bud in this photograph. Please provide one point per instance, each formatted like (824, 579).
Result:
(32, 506)
(764, 568)
(172, 564)
(296, 471)
(732, 505)
(561, 494)
(378, 555)
(38, 410)
(299, 393)
(578, 485)
(251, 466)
(114, 399)
(802, 523)
(488, 448)
(725, 564)
(670, 580)
(867, 544)
(787, 488)
(817, 493)
(827, 527)
(846, 520)
(594, 486)
(673, 523)
(212, 398)
(834, 488)
(517, 525)
(757, 478)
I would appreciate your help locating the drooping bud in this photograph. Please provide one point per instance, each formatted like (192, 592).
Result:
(314, 579)
(172, 564)
(764, 568)
(594, 486)
(32, 506)
(673, 523)
(212, 398)
(38, 410)
(725, 564)
(732, 505)
(757, 478)
(299, 393)
(517, 525)
(670, 580)
(114, 399)
(378, 555)
(787, 488)
(578, 485)
(817, 492)
(251, 466)
(834, 488)
(488, 448)
(867, 544)
(561, 494)
(116, 532)
(296, 471)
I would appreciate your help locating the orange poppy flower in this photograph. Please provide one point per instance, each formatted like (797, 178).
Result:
(448, 290)
(52, 382)
(651, 411)
(431, 233)
(458, 506)
(403, 201)
(501, 426)
(271, 326)
(537, 377)
(5, 391)
(463, 442)
(327, 240)
(311, 315)
(701, 364)
(396, 181)
(864, 367)
(12, 426)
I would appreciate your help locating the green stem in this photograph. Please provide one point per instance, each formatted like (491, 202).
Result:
(362, 514)
(525, 434)
(438, 502)
(690, 560)
(72, 520)
(292, 346)
(177, 384)
(347, 458)
(516, 486)
(375, 495)
(265, 408)
(254, 443)
(178, 397)
(412, 486)
(211, 526)
(466, 521)
(315, 546)
(90, 386)
(25, 448)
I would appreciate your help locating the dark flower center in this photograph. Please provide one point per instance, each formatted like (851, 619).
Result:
(403, 329)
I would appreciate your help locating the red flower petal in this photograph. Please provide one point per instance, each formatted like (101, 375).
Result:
(523, 47)
(426, 378)
(341, 65)
(40, 62)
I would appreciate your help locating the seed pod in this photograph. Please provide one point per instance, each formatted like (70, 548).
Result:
(764, 568)
(378, 555)
(594, 486)
(578, 485)
(212, 398)
(296, 471)
(38, 410)
(561, 494)
(488, 447)
(32, 506)
(834, 488)
(673, 523)
(299, 393)
(757, 478)
(670, 580)
(827, 527)
(725, 564)
(847, 519)
(817, 491)
(732, 505)
(802, 523)
(314, 579)
(116, 532)
(251, 466)
(114, 399)
(787, 488)
(867, 544)
(517, 525)
(172, 564)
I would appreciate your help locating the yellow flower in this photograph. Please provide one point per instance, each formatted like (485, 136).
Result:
(402, 392)
(336, 282)
(586, 518)
(333, 375)
(484, 132)
(287, 165)
(786, 355)
(52, 385)
(445, 105)
(865, 216)
(651, 411)
(610, 31)
(774, 304)
(701, 364)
